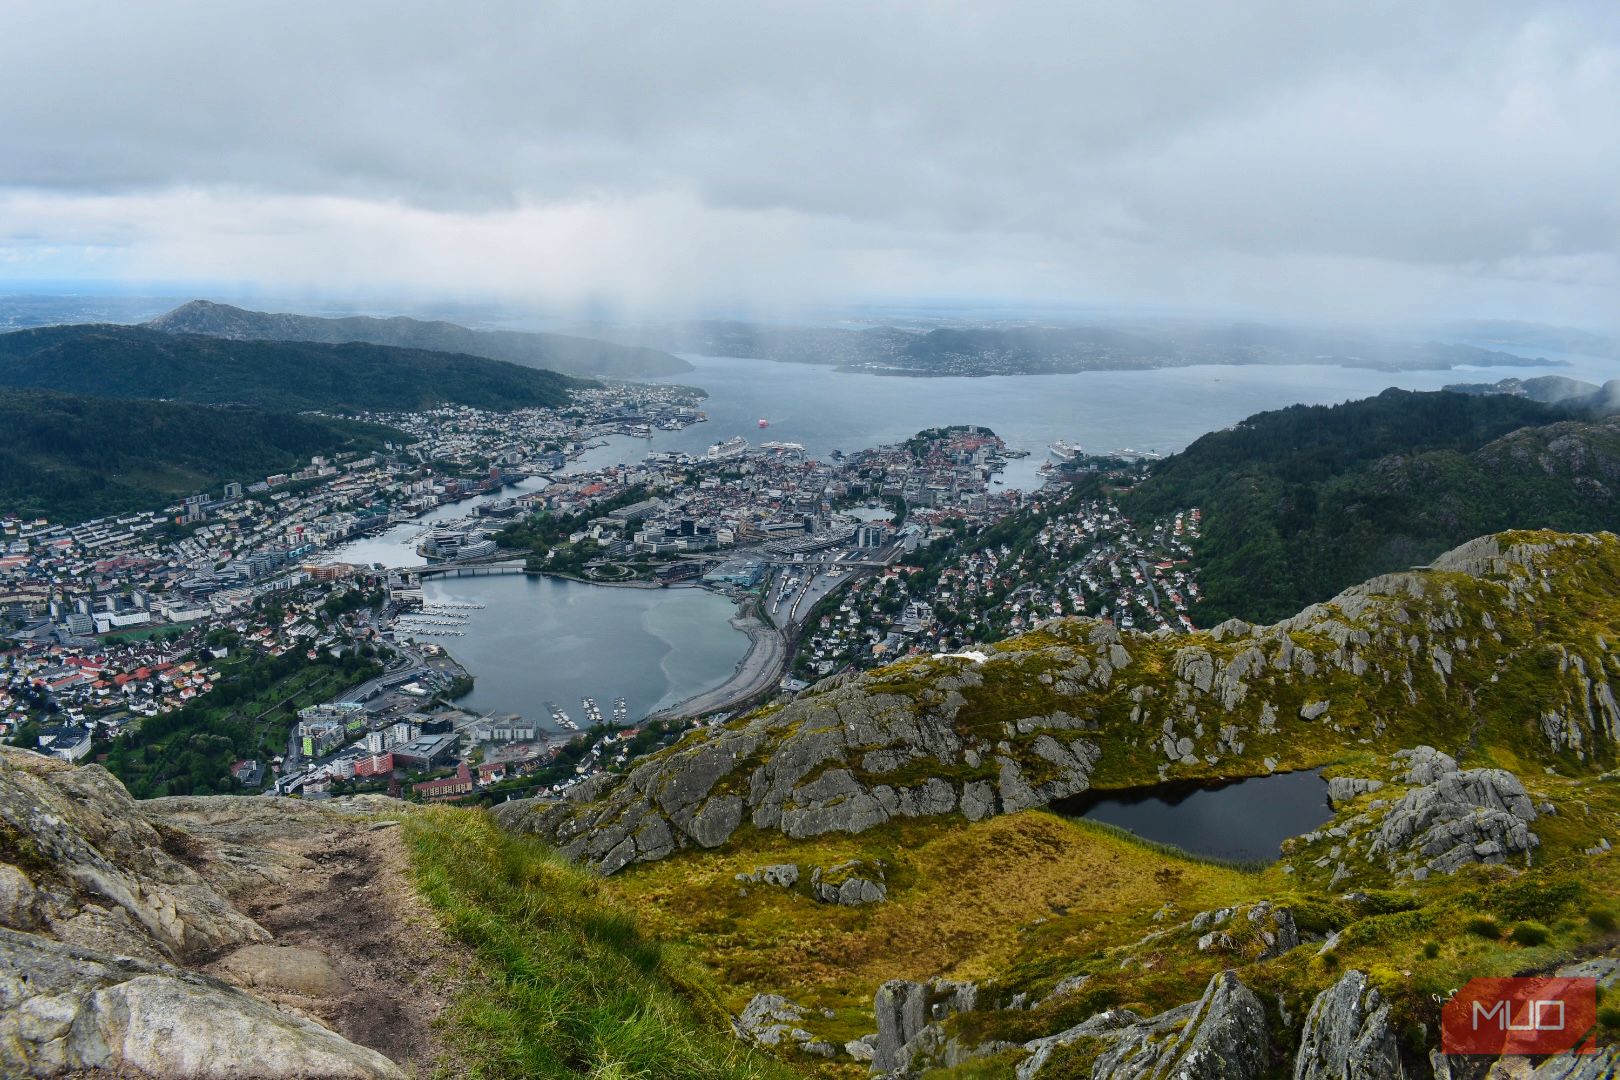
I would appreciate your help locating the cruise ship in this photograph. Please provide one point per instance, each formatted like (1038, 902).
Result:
(732, 447)
(1065, 451)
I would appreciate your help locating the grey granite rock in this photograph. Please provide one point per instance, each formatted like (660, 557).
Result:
(901, 1007)
(1457, 817)
(1222, 1036)
(849, 884)
(1348, 1036)
(1603, 1065)
(771, 1020)
(64, 1009)
(1343, 789)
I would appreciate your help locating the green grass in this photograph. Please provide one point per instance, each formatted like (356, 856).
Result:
(567, 985)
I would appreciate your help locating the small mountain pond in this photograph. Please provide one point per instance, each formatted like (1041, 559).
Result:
(1237, 820)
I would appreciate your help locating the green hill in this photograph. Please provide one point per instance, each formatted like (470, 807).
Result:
(1302, 502)
(70, 458)
(134, 362)
(893, 850)
(558, 352)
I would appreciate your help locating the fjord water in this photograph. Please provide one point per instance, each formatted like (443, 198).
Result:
(541, 639)
(1161, 410)
(1244, 821)
(550, 640)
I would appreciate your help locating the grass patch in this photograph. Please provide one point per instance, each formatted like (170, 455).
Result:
(568, 986)
(1023, 894)
(1530, 933)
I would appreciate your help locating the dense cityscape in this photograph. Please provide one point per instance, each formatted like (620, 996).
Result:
(218, 645)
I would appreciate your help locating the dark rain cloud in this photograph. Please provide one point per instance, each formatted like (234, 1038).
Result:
(1337, 155)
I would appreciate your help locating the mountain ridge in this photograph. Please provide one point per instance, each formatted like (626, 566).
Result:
(564, 353)
(135, 362)
(1070, 707)
(881, 851)
(1299, 503)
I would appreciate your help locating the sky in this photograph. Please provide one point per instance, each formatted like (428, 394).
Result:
(1368, 160)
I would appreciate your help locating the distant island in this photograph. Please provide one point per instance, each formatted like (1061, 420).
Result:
(1009, 349)
(556, 352)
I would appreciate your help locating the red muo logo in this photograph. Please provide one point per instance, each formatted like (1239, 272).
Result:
(1520, 1016)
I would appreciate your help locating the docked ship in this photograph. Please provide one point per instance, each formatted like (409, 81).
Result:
(735, 446)
(1064, 451)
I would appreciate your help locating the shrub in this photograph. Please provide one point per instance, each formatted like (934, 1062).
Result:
(1483, 926)
(1532, 899)
(1530, 933)
(1431, 949)
(1609, 1017)
(1601, 919)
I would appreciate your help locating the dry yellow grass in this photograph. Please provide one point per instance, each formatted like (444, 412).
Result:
(962, 901)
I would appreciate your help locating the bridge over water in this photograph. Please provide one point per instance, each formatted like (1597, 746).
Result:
(466, 569)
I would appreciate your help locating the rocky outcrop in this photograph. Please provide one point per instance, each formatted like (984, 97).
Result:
(86, 867)
(849, 884)
(1348, 1035)
(1035, 719)
(105, 905)
(901, 1008)
(910, 1025)
(65, 1009)
(1455, 817)
(1344, 789)
(829, 753)
(773, 1020)
(1603, 1065)
(1221, 1036)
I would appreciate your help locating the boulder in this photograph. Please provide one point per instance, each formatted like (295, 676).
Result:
(1425, 764)
(902, 1012)
(1343, 789)
(849, 884)
(1222, 1036)
(64, 1009)
(16, 899)
(771, 1020)
(1348, 1036)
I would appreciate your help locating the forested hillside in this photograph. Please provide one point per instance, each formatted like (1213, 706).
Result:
(1301, 502)
(70, 458)
(134, 362)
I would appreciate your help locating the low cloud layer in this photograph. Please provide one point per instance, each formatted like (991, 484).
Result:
(1366, 160)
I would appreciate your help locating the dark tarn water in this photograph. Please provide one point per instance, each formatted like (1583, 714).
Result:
(1240, 821)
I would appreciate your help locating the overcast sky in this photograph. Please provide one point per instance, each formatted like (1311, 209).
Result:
(1362, 160)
